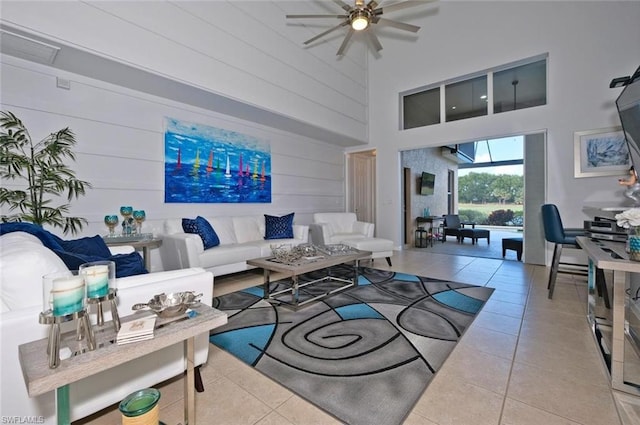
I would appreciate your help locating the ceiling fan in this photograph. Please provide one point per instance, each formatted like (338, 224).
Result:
(361, 17)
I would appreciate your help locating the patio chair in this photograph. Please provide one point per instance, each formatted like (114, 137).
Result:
(452, 227)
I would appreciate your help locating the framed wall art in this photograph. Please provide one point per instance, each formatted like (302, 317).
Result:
(205, 164)
(602, 152)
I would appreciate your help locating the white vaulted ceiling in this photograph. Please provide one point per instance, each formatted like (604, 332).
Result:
(240, 58)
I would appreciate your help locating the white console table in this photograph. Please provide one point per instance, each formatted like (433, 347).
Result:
(617, 330)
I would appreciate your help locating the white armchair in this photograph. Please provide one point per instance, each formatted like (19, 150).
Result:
(344, 228)
(23, 260)
(331, 228)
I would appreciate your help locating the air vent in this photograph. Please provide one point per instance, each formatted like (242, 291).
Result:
(27, 48)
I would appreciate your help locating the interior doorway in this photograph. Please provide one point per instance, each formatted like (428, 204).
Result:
(361, 185)
(532, 160)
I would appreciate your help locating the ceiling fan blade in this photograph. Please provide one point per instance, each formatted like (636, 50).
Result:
(396, 24)
(343, 46)
(401, 5)
(374, 40)
(343, 5)
(372, 4)
(326, 32)
(316, 16)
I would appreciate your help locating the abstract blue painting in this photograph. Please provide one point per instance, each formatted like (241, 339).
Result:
(602, 152)
(205, 164)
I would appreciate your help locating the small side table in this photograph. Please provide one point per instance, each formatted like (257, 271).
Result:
(514, 244)
(145, 245)
(434, 229)
(423, 238)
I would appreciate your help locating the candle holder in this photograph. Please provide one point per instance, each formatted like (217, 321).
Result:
(63, 300)
(111, 221)
(139, 216)
(111, 298)
(127, 220)
(83, 327)
(99, 278)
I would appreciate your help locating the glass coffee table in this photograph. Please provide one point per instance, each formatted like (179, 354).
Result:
(325, 259)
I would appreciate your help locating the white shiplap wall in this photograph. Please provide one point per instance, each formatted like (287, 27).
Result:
(244, 50)
(121, 149)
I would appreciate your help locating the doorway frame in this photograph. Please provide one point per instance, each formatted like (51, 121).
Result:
(361, 184)
(535, 242)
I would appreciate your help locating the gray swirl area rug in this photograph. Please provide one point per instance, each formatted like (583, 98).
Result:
(364, 355)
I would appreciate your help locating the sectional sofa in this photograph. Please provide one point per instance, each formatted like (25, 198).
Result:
(240, 238)
(23, 262)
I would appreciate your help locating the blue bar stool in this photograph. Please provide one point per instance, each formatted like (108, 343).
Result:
(554, 232)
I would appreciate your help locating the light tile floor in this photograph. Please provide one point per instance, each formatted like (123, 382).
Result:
(526, 360)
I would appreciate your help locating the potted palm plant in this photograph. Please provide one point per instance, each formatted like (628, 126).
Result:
(40, 167)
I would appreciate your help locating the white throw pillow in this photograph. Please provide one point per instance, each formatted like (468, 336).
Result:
(223, 227)
(23, 262)
(249, 228)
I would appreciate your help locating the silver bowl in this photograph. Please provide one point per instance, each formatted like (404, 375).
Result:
(171, 304)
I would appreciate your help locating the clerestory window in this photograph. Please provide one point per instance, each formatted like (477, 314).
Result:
(517, 85)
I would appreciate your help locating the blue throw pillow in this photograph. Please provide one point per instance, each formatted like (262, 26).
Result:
(278, 227)
(79, 251)
(189, 225)
(203, 228)
(129, 264)
(47, 238)
(94, 245)
(126, 264)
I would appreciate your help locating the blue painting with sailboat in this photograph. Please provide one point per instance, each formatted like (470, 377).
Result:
(205, 164)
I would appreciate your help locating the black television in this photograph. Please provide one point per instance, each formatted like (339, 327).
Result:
(427, 183)
(628, 104)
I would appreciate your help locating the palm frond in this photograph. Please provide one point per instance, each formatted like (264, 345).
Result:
(42, 166)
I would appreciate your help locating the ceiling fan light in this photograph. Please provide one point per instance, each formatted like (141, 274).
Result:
(359, 21)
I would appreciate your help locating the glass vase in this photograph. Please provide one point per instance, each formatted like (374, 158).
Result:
(141, 408)
(634, 247)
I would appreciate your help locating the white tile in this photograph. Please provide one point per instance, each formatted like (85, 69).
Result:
(479, 384)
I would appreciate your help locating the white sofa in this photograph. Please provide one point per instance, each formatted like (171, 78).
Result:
(344, 228)
(23, 261)
(241, 239)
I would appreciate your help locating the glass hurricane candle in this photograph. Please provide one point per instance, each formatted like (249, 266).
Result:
(63, 293)
(98, 277)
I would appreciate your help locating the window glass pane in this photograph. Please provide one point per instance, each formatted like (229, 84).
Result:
(466, 99)
(420, 109)
(520, 87)
(506, 149)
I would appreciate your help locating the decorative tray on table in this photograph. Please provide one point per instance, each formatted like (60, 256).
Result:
(294, 255)
(170, 305)
(128, 238)
(336, 249)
